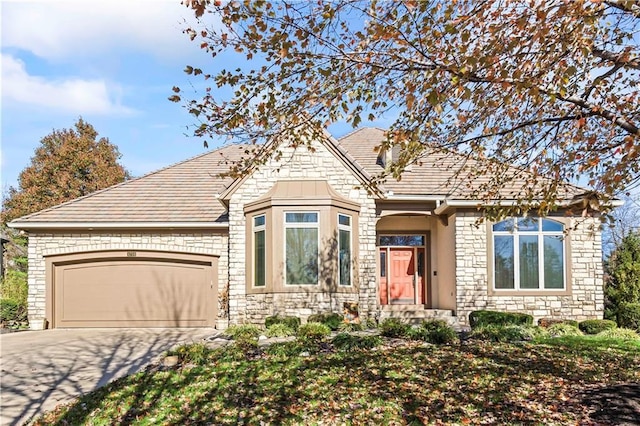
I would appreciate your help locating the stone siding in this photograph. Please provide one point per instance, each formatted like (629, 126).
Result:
(299, 164)
(43, 245)
(585, 301)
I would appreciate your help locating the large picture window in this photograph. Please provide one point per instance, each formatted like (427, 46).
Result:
(301, 248)
(344, 249)
(259, 251)
(528, 254)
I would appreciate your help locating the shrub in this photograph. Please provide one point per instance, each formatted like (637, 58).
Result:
(369, 323)
(330, 319)
(595, 326)
(548, 322)
(285, 349)
(280, 330)
(620, 333)
(12, 311)
(313, 332)
(629, 316)
(245, 335)
(622, 285)
(348, 342)
(14, 286)
(394, 327)
(504, 333)
(558, 330)
(350, 326)
(482, 318)
(290, 321)
(194, 353)
(439, 332)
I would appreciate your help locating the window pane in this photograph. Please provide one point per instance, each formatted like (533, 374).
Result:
(503, 260)
(553, 262)
(529, 272)
(259, 259)
(505, 225)
(345, 257)
(344, 220)
(420, 263)
(383, 264)
(527, 224)
(551, 226)
(402, 240)
(259, 220)
(302, 217)
(302, 255)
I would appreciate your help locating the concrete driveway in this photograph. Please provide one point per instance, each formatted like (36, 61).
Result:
(41, 369)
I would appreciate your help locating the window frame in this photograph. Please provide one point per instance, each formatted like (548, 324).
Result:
(254, 263)
(516, 233)
(346, 228)
(298, 225)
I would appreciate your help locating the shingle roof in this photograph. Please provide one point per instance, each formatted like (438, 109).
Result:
(187, 192)
(434, 175)
(183, 192)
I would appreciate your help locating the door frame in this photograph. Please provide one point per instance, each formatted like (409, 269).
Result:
(426, 290)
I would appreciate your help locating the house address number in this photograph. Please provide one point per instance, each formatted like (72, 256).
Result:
(131, 254)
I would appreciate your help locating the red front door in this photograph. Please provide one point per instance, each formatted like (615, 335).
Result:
(402, 272)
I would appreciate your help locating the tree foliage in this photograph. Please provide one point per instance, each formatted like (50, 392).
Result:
(622, 285)
(548, 87)
(68, 164)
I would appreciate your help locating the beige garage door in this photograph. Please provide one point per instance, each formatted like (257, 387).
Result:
(134, 289)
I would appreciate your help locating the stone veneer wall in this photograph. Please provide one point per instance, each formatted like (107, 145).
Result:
(299, 164)
(42, 245)
(586, 300)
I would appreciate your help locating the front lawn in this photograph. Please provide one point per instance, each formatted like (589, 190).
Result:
(407, 383)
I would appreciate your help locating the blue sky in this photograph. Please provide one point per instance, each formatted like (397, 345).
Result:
(111, 62)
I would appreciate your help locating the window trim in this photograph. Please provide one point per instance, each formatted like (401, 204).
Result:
(565, 233)
(255, 230)
(349, 229)
(296, 225)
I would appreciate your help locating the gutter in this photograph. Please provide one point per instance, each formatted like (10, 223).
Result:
(446, 206)
(118, 225)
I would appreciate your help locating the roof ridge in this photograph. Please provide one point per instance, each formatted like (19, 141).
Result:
(117, 185)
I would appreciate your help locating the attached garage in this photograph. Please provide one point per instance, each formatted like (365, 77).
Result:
(132, 289)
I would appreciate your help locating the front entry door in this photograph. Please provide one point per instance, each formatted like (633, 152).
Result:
(402, 275)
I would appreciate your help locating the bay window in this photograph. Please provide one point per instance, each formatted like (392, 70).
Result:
(301, 248)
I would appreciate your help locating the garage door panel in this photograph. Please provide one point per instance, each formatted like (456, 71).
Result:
(134, 293)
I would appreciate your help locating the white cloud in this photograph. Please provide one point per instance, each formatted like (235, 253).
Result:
(73, 95)
(59, 30)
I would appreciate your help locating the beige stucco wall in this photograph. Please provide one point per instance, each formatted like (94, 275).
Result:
(43, 245)
(299, 164)
(584, 301)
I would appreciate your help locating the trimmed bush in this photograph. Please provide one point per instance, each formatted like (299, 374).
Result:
(348, 342)
(439, 332)
(596, 326)
(245, 335)
(12, 311)
(394, 327)
(280, 330)
(620, 333)
(313, 332)
(629, 316)
(483, 318)
(330, 319)
(558, 330)
(548, 322)
(504, 333)
(290, 321)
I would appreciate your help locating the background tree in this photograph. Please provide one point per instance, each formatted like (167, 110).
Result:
(624, 221)
(548, 87)
(622, 283)
(68, 164)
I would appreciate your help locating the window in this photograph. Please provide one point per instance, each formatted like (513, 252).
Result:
(259, 251)
(344, 249)
(301, 248)
(528, 254)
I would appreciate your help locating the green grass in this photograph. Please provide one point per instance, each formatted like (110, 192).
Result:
(416, 383)
(589, 343)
